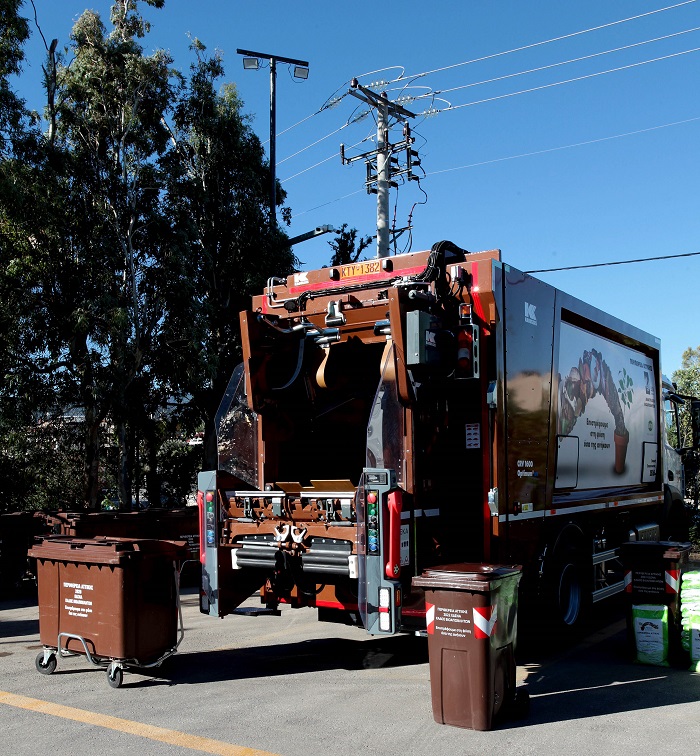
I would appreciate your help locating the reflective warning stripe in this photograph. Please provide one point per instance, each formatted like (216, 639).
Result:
(485, 621)
(430, 617)
(628, 581)
(672, 581)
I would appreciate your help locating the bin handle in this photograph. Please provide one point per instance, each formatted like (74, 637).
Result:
(395, 505)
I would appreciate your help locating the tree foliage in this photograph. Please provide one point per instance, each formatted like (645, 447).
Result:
(346, 247)
(132, 233)
(216, 179)
(687, 380)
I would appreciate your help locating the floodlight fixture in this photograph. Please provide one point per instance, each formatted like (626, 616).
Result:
(251, 61)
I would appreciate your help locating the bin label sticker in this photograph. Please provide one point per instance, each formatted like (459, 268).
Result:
(448, 621)
(77, 605)
(430, 618)
(485, 618)
(652, 582)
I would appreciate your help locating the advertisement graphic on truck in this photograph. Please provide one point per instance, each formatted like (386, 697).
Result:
(608, 413)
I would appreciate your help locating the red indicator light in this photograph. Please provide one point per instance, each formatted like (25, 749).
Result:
(372, 497)
(210, 496)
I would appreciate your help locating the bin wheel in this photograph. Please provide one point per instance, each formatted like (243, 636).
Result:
(48, 667)
(115, 677)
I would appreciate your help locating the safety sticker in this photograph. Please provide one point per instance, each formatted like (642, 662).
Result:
(485, 618)
(430, 617)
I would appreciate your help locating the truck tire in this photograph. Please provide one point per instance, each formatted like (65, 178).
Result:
(568, 589)
(676, 524)
(570, 594)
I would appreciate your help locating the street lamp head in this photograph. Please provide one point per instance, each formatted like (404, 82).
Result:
(251, 64)
(301, 72)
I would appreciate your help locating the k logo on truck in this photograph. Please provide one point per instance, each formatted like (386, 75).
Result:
(530, 315)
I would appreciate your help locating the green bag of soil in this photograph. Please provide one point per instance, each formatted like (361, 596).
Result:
(650, 624)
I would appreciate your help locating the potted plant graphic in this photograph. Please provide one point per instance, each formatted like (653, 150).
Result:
(625, 391)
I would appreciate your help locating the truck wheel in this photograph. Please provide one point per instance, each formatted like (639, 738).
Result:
(47, 668)
(570, 594)
(677, 524)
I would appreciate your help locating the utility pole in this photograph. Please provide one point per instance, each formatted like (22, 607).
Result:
(380, 160)
(383, 173)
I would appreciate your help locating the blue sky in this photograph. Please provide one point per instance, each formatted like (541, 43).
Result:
(600, 169)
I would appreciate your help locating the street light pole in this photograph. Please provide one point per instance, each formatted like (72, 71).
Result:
(301, 71)
(273, 141)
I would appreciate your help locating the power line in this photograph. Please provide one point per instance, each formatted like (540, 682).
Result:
(334, 156)
(523, 155)
(332, 102)
(563, 147)
(547, 41)
(330, 202)
(615, 262)
(554, 65)
(566, 81)
(513, 94)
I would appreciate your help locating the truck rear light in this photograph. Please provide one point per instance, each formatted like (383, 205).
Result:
(209, 518)
(373, 529)
(385, 622)
(384, 598)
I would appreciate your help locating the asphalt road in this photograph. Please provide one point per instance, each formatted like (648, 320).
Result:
(292, 686)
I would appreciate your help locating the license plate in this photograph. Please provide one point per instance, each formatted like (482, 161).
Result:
(360, 269)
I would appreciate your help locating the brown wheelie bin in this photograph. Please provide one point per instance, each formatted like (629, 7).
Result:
(471, 617)
(114, 600)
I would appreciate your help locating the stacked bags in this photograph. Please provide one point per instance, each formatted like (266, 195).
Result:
(650, 625)
(690, 616)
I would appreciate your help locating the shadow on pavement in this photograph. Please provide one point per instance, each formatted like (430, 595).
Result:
(14, 628)
(297, 658)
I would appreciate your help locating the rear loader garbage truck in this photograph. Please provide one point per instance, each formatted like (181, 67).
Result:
(433, 408)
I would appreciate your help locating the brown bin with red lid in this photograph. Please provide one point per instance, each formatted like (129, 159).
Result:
(471, 617)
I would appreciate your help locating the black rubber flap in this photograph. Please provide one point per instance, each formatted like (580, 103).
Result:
(465, 576)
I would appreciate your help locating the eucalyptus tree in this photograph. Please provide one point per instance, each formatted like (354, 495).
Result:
(110, 103)
(217, 194)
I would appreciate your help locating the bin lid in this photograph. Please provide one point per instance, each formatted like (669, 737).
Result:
(466, 576)
(105, 550)
(654, 550)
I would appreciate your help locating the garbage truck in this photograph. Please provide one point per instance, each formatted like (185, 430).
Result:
(433, 408)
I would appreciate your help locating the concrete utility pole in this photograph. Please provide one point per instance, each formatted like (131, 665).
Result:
(383, 164)
(301, 71)
(382, 155)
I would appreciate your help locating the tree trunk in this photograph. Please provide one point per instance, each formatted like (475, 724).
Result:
(123, 469)
(153, 478)
(92, 459)
(210, 452)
